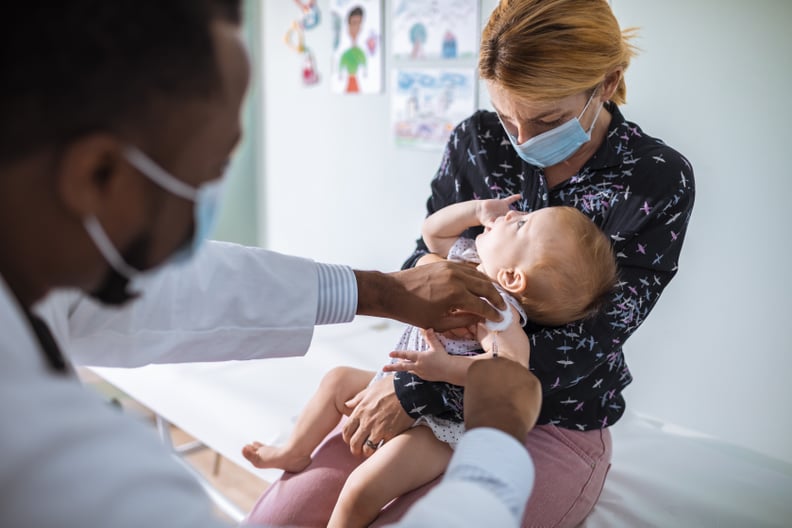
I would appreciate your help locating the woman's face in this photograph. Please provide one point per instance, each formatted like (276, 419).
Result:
(525, 119)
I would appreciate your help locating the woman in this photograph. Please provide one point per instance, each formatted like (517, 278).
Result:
(554, 70)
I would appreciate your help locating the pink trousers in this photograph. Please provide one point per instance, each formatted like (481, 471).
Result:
(571, 467)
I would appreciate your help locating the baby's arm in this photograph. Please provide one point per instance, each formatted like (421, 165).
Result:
(435, 364)
(443, 227)
(512, 342)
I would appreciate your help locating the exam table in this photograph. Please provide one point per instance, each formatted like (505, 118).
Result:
(661, 475)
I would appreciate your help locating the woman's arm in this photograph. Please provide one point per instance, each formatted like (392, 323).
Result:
(647, 239)
(491, 474)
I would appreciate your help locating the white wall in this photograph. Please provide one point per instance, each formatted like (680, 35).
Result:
(337, 189)
(712, 80)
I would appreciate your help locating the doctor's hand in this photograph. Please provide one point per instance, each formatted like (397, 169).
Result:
(376, 416)
(502, 394)
(441, 295)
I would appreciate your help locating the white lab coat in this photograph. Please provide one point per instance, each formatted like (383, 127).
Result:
(235, 302)
(68, 459)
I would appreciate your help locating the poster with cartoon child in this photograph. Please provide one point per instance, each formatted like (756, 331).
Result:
(434, 29)
(357, 46)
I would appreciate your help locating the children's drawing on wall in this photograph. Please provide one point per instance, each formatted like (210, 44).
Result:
(357, 49)
(427, 103)
(435, 29)
(295, 39)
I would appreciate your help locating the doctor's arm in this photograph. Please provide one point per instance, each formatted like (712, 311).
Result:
(234, 302)
(491, 475)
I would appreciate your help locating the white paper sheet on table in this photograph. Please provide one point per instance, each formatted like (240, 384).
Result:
(660, 476)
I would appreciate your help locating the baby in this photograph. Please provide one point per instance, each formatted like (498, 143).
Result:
(552, 266)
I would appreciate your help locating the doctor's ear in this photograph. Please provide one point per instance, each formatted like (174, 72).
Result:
(513, 281)
(91, 174)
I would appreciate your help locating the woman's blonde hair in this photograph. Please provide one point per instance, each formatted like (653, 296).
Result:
(549, 49)
(576, 281)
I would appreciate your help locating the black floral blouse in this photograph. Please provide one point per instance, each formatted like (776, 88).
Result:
(640, 192)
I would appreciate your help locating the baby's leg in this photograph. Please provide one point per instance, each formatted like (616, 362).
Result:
(319, 417)
(409, 460)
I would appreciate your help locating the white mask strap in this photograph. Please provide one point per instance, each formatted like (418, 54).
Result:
(591, 98)
(586, 107)
(595, 118)
(107, 249)
(159, 175)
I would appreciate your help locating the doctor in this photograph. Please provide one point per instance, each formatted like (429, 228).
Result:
(118, 119)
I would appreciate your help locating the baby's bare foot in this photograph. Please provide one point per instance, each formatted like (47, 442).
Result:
(264, 456)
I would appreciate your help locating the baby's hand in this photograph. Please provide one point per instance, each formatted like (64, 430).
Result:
(430, 365)
(488, 210)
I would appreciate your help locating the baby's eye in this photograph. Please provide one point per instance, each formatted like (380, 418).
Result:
(520, 223)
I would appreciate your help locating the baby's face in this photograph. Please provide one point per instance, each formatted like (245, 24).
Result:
(518, 240)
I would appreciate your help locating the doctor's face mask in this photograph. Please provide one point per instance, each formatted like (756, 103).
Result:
(130, 265)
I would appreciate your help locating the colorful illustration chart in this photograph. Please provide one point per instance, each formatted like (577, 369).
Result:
(357, 46)
(427, 103)
(434, 29)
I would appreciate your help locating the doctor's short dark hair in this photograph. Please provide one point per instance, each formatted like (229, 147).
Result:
(79, 66)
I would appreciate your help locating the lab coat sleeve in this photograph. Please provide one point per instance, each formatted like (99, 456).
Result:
(231, 302)
(487, 483)
(73, 461)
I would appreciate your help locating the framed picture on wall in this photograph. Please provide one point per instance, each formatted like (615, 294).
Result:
(427, 103)
(434, 29)
(357, 46)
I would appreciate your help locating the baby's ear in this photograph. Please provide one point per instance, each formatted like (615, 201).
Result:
(513, 281)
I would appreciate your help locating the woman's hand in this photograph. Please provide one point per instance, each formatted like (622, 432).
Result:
(431, 365)
(488, 210)
(376, 416)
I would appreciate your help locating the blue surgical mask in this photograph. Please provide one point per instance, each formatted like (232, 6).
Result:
(556, 145)
(206, 200)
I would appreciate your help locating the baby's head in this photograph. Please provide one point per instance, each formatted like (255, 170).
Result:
(555, 261)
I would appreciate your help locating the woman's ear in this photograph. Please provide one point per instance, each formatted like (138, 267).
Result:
(514, 281)
(611, 83)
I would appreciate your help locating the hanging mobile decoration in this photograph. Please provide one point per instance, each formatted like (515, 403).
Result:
(295, 39)
(311, 16)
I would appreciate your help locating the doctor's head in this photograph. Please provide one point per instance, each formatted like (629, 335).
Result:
(118, 121)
